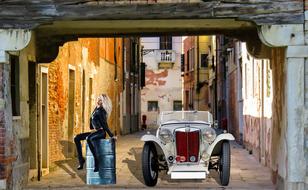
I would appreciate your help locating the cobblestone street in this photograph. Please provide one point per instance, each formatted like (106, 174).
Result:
(246, 172)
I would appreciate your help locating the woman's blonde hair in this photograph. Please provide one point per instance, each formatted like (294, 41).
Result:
(106, 103)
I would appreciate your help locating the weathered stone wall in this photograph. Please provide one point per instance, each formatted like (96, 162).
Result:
(6, 157)
(21, 143)
(306, 94)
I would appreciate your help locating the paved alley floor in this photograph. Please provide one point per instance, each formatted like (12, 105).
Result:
(246, 172)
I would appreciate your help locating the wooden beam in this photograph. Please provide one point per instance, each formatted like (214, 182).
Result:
(32, 13)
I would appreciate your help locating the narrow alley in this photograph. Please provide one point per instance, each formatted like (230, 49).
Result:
(70, 70)
(246, 172)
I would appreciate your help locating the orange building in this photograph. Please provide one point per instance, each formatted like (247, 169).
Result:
(67, 93)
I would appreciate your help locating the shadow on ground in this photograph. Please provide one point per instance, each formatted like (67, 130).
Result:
(215, 175)
(134, 166)
(69, 165)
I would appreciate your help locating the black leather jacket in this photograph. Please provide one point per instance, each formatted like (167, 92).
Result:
(98, 120)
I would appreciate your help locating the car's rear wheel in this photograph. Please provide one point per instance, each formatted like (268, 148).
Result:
(149, 164)
(224, 163)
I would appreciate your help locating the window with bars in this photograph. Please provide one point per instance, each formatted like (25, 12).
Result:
(182, 62)
(177, 105)
(204, 60)
(152, 106)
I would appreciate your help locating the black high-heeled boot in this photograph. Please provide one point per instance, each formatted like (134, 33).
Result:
(96, 165)
(81, 163)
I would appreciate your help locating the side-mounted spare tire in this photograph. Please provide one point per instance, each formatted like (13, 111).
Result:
(149, 164)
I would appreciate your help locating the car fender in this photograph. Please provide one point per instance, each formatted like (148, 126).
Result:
(157, 142)
(218, 140)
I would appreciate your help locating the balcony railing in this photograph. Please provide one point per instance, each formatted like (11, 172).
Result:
(165, 56)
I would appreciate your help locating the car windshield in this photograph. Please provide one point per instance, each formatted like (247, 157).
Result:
(179, 116)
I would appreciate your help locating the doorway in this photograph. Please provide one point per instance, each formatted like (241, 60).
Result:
(71, 111)
(43, 137)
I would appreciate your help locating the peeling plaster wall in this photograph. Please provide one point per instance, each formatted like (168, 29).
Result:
(162, 85)
(257, 110)
(95, 57)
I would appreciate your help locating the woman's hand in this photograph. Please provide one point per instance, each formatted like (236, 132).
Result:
(114, 138)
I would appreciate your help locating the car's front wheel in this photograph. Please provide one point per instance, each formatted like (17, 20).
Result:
(224, 163)
(149, 164)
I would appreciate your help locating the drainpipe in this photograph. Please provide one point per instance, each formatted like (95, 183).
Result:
(216, 78)
(116, 83)
(38, 129)
(115, 59)
(262, 116)
(198, 72)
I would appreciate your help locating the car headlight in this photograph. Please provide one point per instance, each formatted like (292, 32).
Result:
(165, 135)
(209, 135)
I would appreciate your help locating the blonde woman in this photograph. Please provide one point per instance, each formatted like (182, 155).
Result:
(99, 125)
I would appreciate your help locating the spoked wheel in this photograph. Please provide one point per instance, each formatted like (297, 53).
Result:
(224, 163)
(149, 164)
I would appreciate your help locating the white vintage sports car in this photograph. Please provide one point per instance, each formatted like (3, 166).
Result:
(187, 144)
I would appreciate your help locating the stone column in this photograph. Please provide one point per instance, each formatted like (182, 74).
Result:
(11, 40)
(4, 132)
(291, 155)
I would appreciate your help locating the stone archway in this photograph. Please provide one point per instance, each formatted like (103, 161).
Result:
(275, 23)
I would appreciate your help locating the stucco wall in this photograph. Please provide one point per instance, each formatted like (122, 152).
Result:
(162, 85)
(257, 79)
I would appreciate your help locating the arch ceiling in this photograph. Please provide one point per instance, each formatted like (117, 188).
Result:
(56, 22)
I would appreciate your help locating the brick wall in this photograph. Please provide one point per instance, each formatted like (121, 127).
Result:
(94, 57)
(7, 143)
(2, 130)
(4, 165)
(2, 152)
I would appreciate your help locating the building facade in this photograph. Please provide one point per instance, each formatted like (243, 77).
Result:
(163, 84)
(198, 61)
(55, 102)
(257, 93)
(246, 92)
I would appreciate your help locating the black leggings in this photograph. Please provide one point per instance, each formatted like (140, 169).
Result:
(91, 137)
